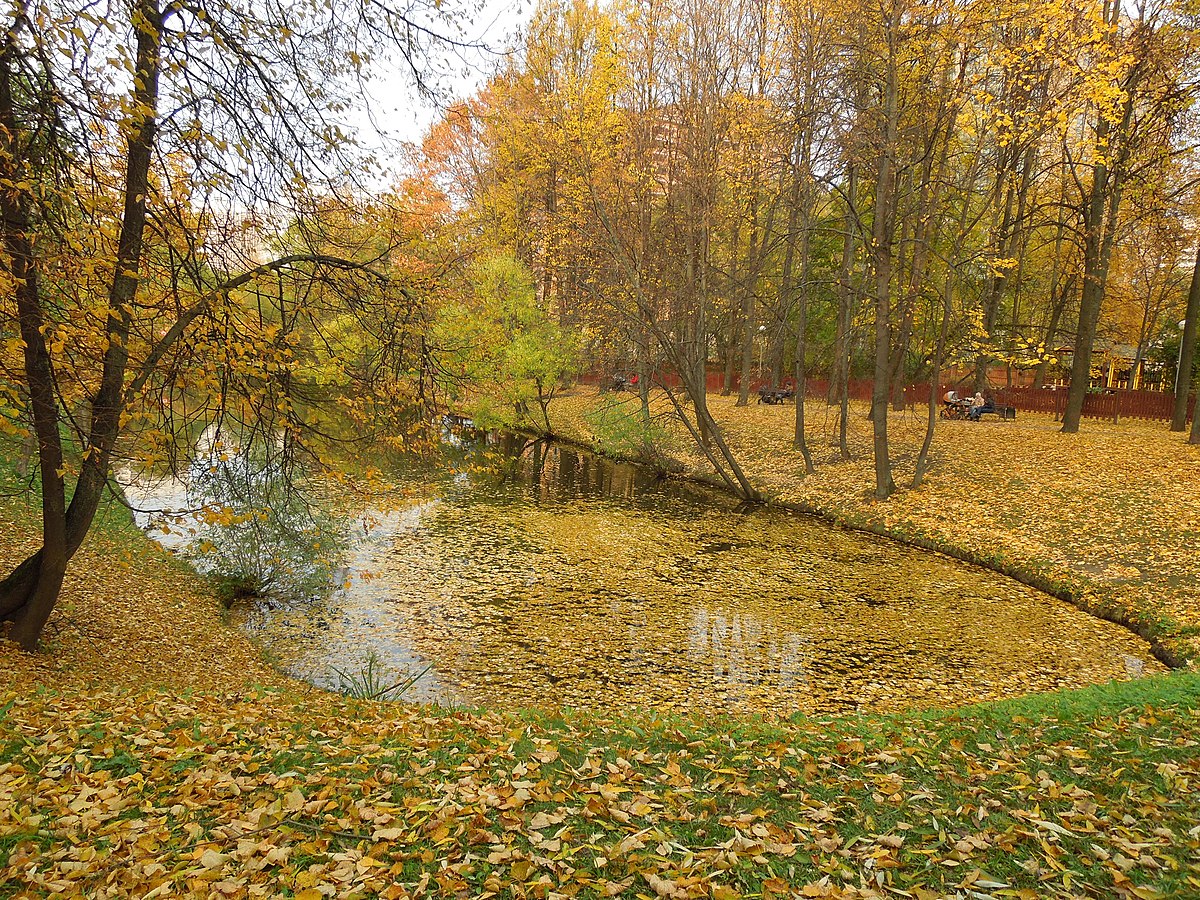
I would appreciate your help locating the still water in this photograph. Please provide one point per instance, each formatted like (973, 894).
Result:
(557, 578)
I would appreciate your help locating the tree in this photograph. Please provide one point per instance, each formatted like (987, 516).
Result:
(1187, 352)
(501, 351)
(1139, 94)
(678, 177)
(128, 137)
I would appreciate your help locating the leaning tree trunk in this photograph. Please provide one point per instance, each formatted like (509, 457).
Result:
(28, 594)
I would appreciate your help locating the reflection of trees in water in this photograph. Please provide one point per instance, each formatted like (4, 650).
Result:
(553, 472)
(745, 650)
(558, 577)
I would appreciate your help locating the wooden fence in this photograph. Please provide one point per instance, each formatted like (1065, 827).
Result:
(1110, 404)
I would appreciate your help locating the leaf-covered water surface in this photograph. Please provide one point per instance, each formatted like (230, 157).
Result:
(575, 582)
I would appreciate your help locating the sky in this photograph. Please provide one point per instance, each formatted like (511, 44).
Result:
(397, 111)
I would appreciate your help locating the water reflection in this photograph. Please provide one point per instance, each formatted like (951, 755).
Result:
(550, 576)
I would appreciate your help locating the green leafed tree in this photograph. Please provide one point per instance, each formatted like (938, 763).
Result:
(503, 355)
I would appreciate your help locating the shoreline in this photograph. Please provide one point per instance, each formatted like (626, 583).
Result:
(1163, 633)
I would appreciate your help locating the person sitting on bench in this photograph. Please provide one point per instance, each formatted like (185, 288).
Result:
(979, 406)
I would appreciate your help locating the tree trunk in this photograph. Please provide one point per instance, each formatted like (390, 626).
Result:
(27, 598)
(1101, 231)
(939, 354)
(749, 308)
(1187, 353)
(799, 440)
(882, 234)
(786, 287)
(839, 387)
(1100, 225)
(1058, 301)
(28, 594)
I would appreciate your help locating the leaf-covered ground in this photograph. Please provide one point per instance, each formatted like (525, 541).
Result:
(130, 615)
(118, 794)
(136, 760)
(1109, 515)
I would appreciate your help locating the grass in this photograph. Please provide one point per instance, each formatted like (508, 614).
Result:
(1178, 688)
(1040, 794)
(1044, 795)
(373, 680)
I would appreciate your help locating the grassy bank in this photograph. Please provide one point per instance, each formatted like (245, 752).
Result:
(131, 614)
(112, 794)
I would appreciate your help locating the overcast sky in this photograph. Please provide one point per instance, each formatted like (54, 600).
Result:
(402, 114)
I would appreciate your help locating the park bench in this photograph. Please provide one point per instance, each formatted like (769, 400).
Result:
(1001, 412)
(960, 409)
(956, 409)
(775, 395)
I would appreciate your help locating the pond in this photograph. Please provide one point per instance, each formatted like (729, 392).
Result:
(562, 579)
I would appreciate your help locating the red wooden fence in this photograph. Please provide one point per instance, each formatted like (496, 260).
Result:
(1112, 404)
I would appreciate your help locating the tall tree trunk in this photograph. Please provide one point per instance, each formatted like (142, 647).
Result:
(1187, 353)
(749, 308)
(760, 234)
(795, 200)
(882, 239)
(1018, 279)
(1057, 307)
(939, 354)
(1098, 241)
(734, 336)
(799, 440)
(902, 335)
(1058, 297)
(839, 387)
(1100, 229)
(28, 595)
